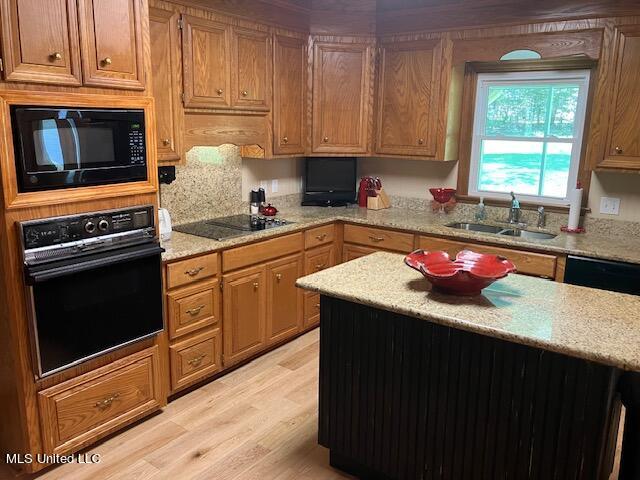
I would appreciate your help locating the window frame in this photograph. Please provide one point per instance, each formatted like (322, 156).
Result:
(484, 80)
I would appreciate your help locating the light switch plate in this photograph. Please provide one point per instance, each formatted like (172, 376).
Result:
(610, 205)
(274, 185)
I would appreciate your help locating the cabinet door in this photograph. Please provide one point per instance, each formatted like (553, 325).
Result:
(284, 299)
(289, 67)
(244, 299)
(251, 69)
(408, 92)
(624, 134)
(112, 45)
(167, 76)
(341, 98)
(40, 43)
(206, 62)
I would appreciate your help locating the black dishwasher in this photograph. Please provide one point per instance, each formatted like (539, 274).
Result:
(624, 278)
(603, 274)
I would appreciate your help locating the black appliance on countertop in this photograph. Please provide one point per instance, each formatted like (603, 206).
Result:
(330, 181)
(232, 226)
(95, 282)
(66, 147)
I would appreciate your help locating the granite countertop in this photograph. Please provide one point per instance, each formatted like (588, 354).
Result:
(610, 247)
(582, 322)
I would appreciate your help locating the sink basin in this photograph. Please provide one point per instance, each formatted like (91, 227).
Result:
(476, 227)
(510, 232)
(528, 234)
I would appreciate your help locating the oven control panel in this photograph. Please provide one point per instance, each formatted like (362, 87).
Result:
(59, 230)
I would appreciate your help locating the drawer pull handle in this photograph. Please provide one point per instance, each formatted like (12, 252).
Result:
(321, 237)
(196, 361)
(194, 271)
(376, 239)
(321, 266)
(106, 402)
(195, 310)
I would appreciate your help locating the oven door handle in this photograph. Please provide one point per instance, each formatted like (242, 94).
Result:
(41, 273)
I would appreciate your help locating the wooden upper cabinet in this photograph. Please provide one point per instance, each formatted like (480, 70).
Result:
(112, 43)
(167, 88)
(40, 42)
(623, 146)
(206, 61)
(289, 69)
(251, 69)
(408, 90)
(244, 300)
(342, 97)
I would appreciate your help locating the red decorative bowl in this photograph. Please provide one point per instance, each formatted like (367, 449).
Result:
(467, 275)
(442, 195)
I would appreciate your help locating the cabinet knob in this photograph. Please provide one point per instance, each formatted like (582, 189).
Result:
(618, 150)
(317, 305)
(56, 56)
(107, 61)
(420, 141)
(278, 276)
(285, 139)
(166, 142)
(219, 91)
(325, 139)
(255, 285)
(245, 93)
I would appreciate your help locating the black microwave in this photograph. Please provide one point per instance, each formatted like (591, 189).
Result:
(60, 147)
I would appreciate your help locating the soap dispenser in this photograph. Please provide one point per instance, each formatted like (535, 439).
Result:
(481, 211)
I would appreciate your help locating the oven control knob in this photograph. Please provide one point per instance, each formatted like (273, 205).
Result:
(103, 225)
(89, 227)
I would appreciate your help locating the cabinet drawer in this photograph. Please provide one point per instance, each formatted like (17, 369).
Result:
(191, 270)
(530, 263)
(84, 409)
(379, 238)
(192, 308)
(319, 236)
(319, 259)
(311, 309)
(261, 252)
(195, 358)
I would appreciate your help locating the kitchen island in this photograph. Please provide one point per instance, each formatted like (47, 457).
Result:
(521, 382)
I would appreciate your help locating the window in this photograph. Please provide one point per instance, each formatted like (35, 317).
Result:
(527, 135)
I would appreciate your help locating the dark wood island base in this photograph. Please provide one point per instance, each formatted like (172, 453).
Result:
(404, 398)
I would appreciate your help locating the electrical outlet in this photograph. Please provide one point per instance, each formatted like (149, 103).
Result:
(609, 205)
(274, 185)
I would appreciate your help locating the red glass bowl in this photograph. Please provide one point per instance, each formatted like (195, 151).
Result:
(467, 275)
(442, 195)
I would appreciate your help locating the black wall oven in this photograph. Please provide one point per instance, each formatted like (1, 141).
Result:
(94, 282)
(59, 147)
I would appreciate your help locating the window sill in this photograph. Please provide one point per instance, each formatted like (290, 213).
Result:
(523, 205)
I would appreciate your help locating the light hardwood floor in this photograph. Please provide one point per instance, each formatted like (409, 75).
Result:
(257, 423)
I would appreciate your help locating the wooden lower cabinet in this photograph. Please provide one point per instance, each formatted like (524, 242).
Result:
(530, 263)
(284, 299)
(244, 317)
(86, 408)
(351, 252)
(195, 358)
(311, 310)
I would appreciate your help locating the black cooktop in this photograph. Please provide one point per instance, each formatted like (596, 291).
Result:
(232, 226)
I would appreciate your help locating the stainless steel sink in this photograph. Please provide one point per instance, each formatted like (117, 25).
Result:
(507, 231)
(476, 227)
(528, 234)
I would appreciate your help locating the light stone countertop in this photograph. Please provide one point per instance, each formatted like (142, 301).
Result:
(582, 322)
(610, 247)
